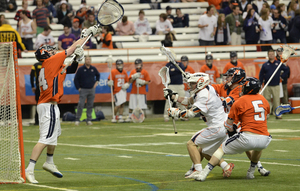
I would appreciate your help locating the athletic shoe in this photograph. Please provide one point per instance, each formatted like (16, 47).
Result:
(193, 174)
(114, 121)
(263, 171)
(166, 119)
(250, 175)
(189, 172)
(52, 169)
(201, 176)
(30, 176)
(128, 120)
(228, 171)
(89, 123)
(76, 123)
(121, 121)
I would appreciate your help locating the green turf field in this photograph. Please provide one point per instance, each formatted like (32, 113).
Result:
(149, 156)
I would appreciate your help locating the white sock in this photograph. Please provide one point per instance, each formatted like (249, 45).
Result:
(198, 167)
(129, 115)
(120, 117)
(259, 165)
(31, 165)
(49, 158)
(223, 164)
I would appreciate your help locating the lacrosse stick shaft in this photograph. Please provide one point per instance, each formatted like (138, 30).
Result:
(173, 120)
(270, 78)
(112, 96)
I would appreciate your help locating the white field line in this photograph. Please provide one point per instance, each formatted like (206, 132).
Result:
(49, 187)
(283, 151)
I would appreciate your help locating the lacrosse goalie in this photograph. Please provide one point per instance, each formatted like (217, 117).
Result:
(204, 100)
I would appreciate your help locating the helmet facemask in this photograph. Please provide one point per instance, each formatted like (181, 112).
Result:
(197, 82)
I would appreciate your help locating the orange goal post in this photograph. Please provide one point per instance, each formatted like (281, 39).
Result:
(12, 164)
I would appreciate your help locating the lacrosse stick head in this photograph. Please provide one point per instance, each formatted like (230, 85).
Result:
(283, 109)
(169, 53)
(109, 62)
(138, 115)
(109, 12)
(286, 53)
(165, 76)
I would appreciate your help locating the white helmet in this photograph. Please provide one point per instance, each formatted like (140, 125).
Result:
(202, 80)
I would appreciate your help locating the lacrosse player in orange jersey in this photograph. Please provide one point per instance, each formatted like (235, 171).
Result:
(119, 80)
(234, 63)
(188, 69)
(210, 69)
(252, 110)
(51, 86)
(139, 78)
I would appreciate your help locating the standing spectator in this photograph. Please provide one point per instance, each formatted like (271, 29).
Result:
(181, 20)
(249, 7)
(244, 6)
(139, 78)
(176, 85)
(279, 28)
(265, 26)
(211, 69)
(125, 27)
(40, 17)
(142, 25)
(291, 10)
(35, 87)
(24, 8)
(9, 34)
(106, 39)
(258, 5)
(228, 10)
(282, 11)
(58, 3)
(234, 63)
(170, 17)
(64, 15)
(119, 80)
(273, 89)
(86, 80)
(295, 28)
(235, 22)
(45, 38)
(51, 10)
(251, 27)
(285, 99)
(90, 21)
(187, 69)
(2, 18)
(27, 30)
(66, 40)
(163, 26)
(272, 8)
(75, 30)
(222, 36)
(208, 26)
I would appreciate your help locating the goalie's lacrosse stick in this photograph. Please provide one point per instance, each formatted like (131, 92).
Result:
(287, 52)
(165, 78)
(138, 114)
(109, 12)
(172, 57)
(284, 109)
(109, 62)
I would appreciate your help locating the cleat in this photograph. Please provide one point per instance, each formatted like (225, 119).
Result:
(89, 123)
(121, 121)
(128, 120)
(76, 123)
(228, 171)
(263, 171)
(114, 121)
(250, 175)
(189, 172)
(166, 119)
(30, 176)
(193, 174)
(201, 176)
(52, 169)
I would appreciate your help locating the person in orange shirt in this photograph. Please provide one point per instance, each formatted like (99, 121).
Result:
(119, 81)
(234, 63)
(51, 90)
(210, 69)
(106, 38)
(252, 110)
(139, 78)
(188, 69)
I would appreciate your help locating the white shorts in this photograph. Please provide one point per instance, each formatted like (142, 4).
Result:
(242, 142)
(210, 139)
(49, 122)
(133, 101)
(120, 97)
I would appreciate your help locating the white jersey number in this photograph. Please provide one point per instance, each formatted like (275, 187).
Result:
(257, 109)
(42, 80)
(120, 82)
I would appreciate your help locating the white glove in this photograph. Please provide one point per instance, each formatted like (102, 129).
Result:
(125, 86)
(174, 112)
(186, 77)
(79, 52)
(140, 82)
(136, 76)
(90, 31)
(110, 83)
(83, 33)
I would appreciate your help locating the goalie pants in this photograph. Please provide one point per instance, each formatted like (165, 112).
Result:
(89, 96)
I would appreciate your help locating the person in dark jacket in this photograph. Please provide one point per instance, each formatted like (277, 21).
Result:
(64, 15)
(295, 28)
(181, 20)
(280, 25)
(222, 36)
(251, 28)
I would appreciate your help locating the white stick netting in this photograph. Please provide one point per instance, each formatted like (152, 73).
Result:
(10, 161)
(110, 12)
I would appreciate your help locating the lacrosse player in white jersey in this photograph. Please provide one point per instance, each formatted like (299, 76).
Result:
(204, 100)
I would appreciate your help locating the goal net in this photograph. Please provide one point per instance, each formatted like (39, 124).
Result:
(12, 168)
